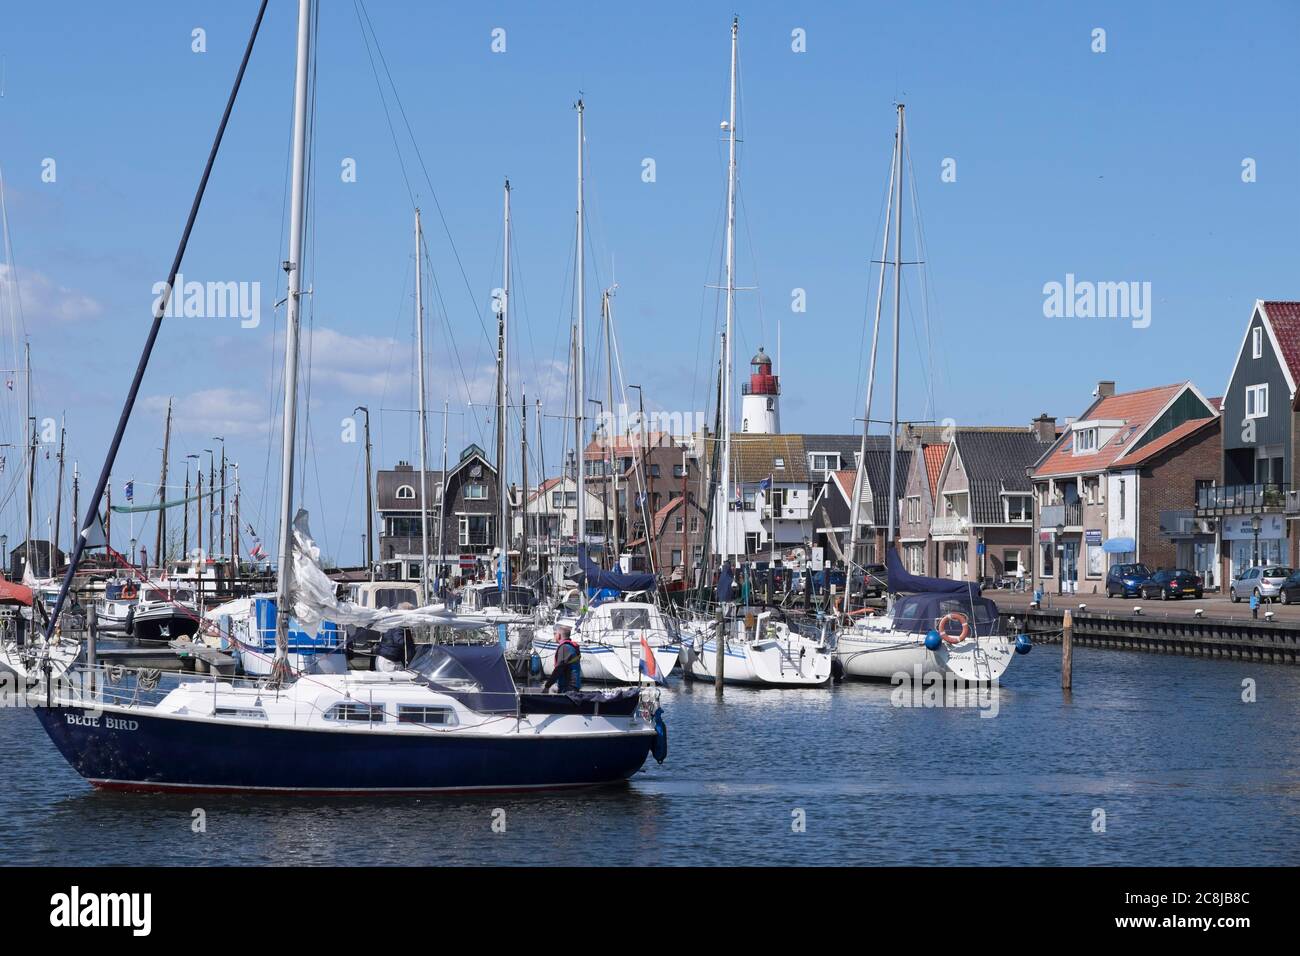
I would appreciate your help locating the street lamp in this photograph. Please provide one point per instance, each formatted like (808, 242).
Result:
(1060, 558)
(1255, 523)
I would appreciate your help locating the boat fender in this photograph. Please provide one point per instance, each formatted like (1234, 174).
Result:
(660, 747)
(129, 627)
(535, 664)
(956, 617)
(1023, 644)
(837, 669)
(932, 640)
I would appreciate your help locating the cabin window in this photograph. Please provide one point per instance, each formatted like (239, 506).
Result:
(354, 712)
(244, 713)
(629, 618)
(1257, 342)
(405, 493)
(1256, 401)
(420, 714)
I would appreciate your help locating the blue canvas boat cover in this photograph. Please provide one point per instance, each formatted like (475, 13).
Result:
(597, 577)
(726, 586)
(903, 582)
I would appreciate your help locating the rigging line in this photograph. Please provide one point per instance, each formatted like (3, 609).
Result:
(388, 370)
(928, 296)
(392, 131)
(97, 492)
(424, 169)
(859, 387)
(451, 339)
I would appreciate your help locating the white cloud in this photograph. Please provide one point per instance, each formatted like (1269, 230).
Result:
(43, 300)
(233, 413)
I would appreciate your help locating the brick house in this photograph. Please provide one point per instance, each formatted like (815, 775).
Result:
(1099, 491)
(917, 509)
(983, 510)
(467, 537)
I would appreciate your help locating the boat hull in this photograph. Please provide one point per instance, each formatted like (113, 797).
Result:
(130, 750)
(761, 664)
(611, 663)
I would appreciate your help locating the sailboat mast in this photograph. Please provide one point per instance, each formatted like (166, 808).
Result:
(424, 473)
(162, 488)
(612, 481)
(503, 401)
(442, 495)
(29, 450)
(293, 266)
(579, 359)
(58, 499)
(898, 288)
(858, 476)
(731, 300)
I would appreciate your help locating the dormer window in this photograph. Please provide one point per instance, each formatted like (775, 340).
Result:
(405, 493)
(1257, 342)
(778, 463)
(1085, 441)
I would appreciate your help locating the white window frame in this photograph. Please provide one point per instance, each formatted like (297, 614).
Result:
(1085, 441)
(405, 492)
(1257, 342)
(1257, 396)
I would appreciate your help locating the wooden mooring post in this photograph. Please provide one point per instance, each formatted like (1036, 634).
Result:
(1067, 649)
(720, 654)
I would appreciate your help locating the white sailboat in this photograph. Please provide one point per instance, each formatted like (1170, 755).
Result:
(756, 648)
(945, 628)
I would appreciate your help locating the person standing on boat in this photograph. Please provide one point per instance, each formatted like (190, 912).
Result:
(396, 646)
(567, 671)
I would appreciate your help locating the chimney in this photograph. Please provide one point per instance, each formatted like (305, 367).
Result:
(1044, 427)
(1105, 389)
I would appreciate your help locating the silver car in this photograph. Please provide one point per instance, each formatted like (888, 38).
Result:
(1266, 581)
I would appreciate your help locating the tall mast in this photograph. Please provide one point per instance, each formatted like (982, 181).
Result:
(579, 359)
(293, 266)
(29, 450)
(58, 499)
(609, 416)
(731, 299)
(898, 284)
(370, 500)
(523, 480)
(442, 495)
(503, 401)
(424, 473)
(162, 488)
(856, 504)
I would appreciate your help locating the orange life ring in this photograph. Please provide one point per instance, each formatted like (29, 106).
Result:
(961, 619)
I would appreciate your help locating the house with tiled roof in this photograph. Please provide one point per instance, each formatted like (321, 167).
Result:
(1252, 506)
(1100, 489)
(983, 509)
(917, 508)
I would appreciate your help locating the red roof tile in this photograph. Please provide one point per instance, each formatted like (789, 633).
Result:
(934, 455)
(1135, 409)
(1152, 448)
(1284, 317)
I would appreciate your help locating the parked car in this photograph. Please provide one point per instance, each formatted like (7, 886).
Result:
(1265, 581)
(1166, 585)
(871, 581)
(1126, 580)
(1289, 592)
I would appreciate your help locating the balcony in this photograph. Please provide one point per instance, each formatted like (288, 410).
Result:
(950, 526)
(1183, 523)
(1241, 499)
(1069, 515)
(786, 513)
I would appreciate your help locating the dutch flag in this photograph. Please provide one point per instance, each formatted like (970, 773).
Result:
(649, 666)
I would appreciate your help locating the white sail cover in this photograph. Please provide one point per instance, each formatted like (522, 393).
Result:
(312, 596)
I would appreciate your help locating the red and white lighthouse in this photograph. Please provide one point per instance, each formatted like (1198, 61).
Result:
(760, 410)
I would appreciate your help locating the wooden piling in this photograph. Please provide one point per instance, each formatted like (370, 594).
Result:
(1067, 649)
(720, 655)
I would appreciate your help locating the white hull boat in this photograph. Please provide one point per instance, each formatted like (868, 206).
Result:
(613, 638)
(772, 655)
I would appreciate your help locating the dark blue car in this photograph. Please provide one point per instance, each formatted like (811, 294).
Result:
(1126, 580)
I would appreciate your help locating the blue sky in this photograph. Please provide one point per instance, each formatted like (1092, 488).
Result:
(1117, 166)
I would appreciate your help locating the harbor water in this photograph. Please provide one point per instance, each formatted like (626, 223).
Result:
(1151, 760)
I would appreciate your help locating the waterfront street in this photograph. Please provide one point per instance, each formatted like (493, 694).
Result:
(1215, 606)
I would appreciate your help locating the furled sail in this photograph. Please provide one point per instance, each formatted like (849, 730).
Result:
(313, 599)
